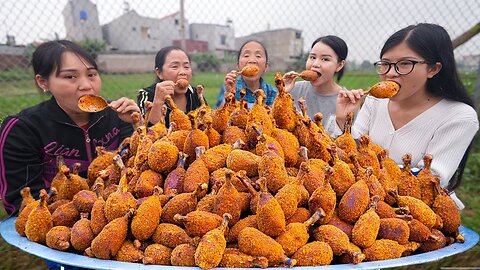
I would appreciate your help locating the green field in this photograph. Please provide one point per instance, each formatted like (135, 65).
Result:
(16, 95)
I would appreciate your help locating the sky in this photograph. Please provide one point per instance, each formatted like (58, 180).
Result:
(363, 24)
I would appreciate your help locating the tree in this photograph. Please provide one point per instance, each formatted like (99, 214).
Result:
(93, 46)
(366, 65)
(206, 62)
(299, 64)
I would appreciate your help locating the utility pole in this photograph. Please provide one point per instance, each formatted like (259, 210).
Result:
(182, 27)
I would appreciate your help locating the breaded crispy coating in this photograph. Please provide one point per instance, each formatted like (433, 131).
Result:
(107, 243)
(408, 184)
(301, 215)
(210, 250)
(157, 254)
(270, 217)
(240, 159)
(366, 228)
(39, 221)
(23, 216)
(181, 204)
(227, 199)
(354, 202)
(197, 172)
(97, 215)
(255, 243)
(173, 183)
(418, 209)
(65, 215)
(234, 258)
(324, 197)
(314, 254)
(84, 200)
(394, 229)
(198, 223)
(384, 249)
(129, 252)
(81, 235)
(162, 156)
(58, 238)
(183, 255)
(446, 208)
(147, 217)
(170, 235)
(249, 221)
(296, 234)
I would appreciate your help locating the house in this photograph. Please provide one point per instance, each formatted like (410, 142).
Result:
(81, 20)
(220, 38)
(132, 32)
(13, 56)
(284, 46)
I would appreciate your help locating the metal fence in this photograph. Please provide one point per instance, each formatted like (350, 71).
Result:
(126, 35)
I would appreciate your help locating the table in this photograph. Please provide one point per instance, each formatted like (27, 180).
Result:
(7, 230)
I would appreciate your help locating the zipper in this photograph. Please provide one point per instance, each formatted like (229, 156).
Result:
(89, 148)
(87, 138)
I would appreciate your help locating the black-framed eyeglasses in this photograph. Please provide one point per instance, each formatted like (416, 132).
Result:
(402, 67)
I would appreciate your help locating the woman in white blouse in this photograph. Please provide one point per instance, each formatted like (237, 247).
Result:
(432, 113)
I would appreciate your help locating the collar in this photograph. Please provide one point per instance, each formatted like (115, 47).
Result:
(57, 114)
(190, 103)
(249, 97)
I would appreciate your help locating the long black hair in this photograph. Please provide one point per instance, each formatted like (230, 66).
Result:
(340, 48)
(162, 55)
(48, 56)
(433, 43)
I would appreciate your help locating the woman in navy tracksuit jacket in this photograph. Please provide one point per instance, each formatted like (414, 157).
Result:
(31, 141)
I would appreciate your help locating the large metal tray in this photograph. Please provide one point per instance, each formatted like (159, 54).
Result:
(7, 230)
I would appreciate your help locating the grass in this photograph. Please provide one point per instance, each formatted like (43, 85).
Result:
(21, 93)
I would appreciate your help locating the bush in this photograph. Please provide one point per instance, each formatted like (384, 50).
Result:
(206, 62)
(92, 46)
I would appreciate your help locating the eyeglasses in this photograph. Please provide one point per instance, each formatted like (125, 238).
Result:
(402, 67)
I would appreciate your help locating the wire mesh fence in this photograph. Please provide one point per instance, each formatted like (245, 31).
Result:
(125, 36)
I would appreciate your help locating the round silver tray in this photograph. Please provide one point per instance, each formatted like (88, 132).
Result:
(7, 230)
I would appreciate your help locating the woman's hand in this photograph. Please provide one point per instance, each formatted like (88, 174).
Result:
(348, 101)
(230, 82)
(124, 108)
(163, 89)
(289, 79)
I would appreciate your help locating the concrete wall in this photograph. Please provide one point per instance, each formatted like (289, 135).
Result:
(126, 63)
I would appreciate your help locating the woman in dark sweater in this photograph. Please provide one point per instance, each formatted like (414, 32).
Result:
(171, 64)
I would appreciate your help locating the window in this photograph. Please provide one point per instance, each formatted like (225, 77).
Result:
(83, 15)
(134, 29)
(223, 39)
(298, 35)
(176, 22)
(145, 32)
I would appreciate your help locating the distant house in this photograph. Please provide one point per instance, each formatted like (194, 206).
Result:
(284, 46)
(220, 38)
(81, 20)
(192, 46)
(132, 32)
(12, 57)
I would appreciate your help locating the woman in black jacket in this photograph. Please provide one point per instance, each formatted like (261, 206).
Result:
(171, 65)
(31, 140)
